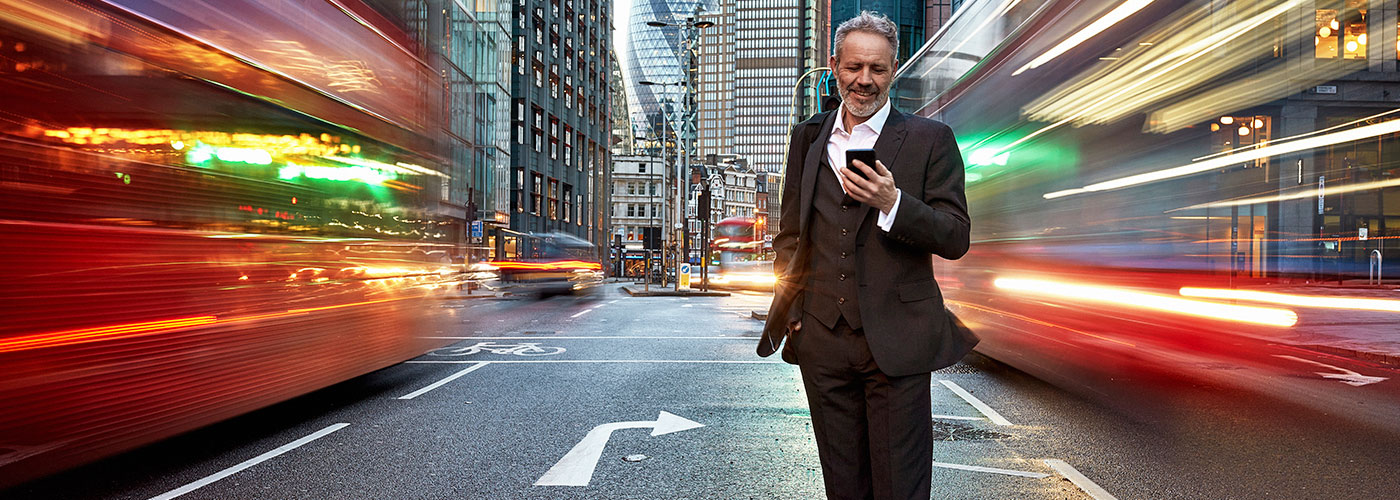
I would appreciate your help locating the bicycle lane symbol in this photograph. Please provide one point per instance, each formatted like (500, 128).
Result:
(521, 349)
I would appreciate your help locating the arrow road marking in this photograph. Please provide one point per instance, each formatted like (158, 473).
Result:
(1346, 376)
(576, 468)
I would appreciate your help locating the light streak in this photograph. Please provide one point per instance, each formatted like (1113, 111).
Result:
(1113, 17)
(1150, 301)
(84, 335)
(1356, 134)
(1352, 303)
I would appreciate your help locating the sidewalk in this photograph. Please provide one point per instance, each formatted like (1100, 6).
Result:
(1365, 334)
(669, 291)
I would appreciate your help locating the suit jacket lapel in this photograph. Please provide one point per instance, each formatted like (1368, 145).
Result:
(887, 146)
(815, 151)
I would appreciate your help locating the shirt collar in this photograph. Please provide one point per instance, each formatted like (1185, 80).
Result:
(876, 122)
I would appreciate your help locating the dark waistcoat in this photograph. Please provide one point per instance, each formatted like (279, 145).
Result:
(832, 283)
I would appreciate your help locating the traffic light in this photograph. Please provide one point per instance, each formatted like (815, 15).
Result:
(651, 238)
(702, 208)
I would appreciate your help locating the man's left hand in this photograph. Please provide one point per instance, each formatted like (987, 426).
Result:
(878, 191)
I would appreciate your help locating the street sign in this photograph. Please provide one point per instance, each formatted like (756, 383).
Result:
(1361, 233)
(683, 281)
(476, 229)
(767, 238)
(576, 468)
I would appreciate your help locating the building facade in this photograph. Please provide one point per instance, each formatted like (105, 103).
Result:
(560, 116)
(657, 54)
(638, 202)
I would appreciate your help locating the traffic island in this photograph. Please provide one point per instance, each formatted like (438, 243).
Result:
(658, 291)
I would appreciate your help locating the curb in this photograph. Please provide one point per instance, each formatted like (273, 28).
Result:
(671, 293)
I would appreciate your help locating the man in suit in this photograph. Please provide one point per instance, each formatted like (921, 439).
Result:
(856, 298)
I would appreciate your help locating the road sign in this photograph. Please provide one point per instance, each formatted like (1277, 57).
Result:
(683, 281)
(477, 229)
(576, 468)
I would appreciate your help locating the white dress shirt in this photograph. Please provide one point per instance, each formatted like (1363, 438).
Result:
(863, 136)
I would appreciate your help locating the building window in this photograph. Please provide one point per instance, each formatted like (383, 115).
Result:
(536, 199)
(519, 189)
(568, 196)
(554, 198)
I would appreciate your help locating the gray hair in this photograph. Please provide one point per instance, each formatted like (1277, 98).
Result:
(869, 22)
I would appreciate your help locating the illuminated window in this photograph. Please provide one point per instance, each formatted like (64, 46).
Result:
(1354, 34)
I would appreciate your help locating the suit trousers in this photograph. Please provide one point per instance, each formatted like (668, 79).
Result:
(874, 432)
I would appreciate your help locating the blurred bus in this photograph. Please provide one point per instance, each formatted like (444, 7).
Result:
(205, 210)
(1138, 172)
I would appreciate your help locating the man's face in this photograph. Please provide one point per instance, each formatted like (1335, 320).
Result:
(864, 70)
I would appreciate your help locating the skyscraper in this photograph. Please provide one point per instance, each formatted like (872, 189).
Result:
(773, 48)
(560, 110)
(656, 54)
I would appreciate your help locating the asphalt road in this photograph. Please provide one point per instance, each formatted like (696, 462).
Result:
(520, 405)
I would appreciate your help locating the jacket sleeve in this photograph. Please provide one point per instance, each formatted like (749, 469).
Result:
(936, 220)
(785, 243)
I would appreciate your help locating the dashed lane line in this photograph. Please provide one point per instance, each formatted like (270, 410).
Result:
(581, 313)
(991, 414)
(1073, 475)
(249, 463)
(444, 381)
(993, 470)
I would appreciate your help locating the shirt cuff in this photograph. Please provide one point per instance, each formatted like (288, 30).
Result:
(886, 220)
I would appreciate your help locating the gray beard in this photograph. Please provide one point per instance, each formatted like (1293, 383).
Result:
(863, 112)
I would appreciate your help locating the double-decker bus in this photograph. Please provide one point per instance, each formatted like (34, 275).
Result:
(738, 256)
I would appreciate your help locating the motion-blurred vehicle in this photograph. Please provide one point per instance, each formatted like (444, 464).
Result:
(736, 251)
(551, 264)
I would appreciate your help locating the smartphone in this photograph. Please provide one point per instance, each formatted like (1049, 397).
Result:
(866, 156)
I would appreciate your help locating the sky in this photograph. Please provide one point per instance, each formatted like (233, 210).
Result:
(622, 14)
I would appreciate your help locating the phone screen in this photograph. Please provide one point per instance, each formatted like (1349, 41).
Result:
(866, 156)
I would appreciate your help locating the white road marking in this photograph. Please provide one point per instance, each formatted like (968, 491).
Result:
(444, 381)
(1073, 475)
(614, 301)
(581, 313)
(974, 468)
(576, 468)
(955, 417)
(688, 305)
(540, 361)
(248, 463)
(601, 337)
(991, 414)
(805, 417)
(1344, 375)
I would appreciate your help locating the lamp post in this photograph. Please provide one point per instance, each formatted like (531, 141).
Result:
(668, 114)
(690, 28)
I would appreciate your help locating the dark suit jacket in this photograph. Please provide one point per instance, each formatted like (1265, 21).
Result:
(905, 323)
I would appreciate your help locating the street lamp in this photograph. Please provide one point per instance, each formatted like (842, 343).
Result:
(664, 232)
(690, 28)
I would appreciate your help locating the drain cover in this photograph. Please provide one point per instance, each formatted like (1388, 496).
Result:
(953, 431)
